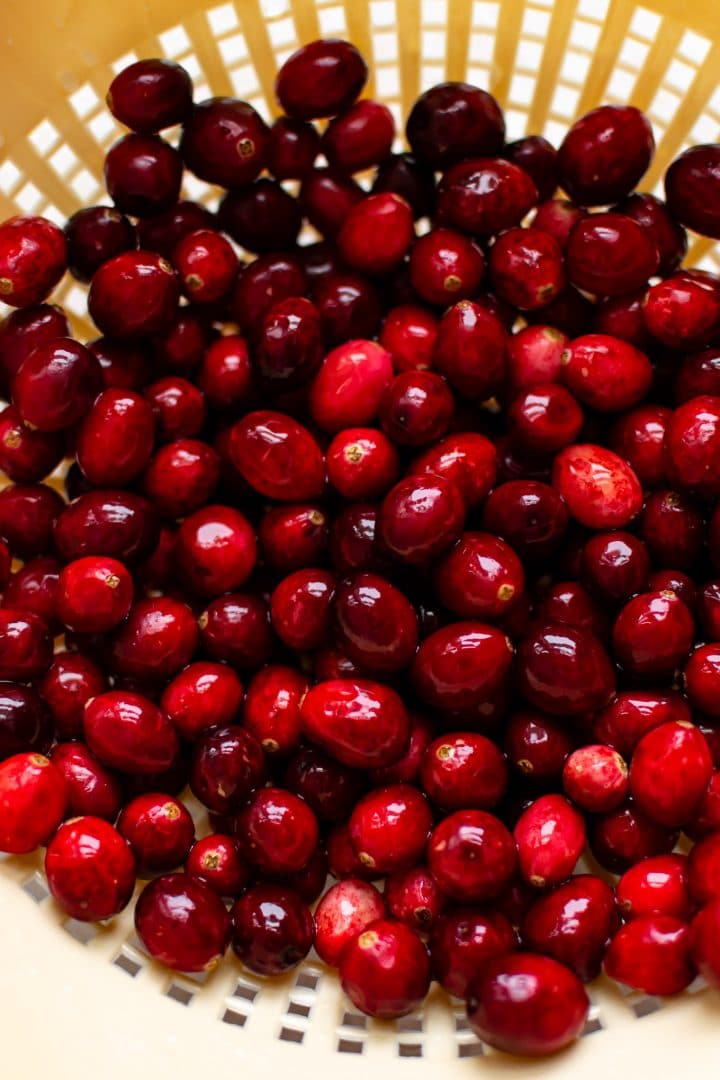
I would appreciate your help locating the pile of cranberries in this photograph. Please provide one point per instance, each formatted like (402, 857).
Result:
(399, 547)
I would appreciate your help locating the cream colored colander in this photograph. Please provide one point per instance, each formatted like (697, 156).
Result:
(83, 1001)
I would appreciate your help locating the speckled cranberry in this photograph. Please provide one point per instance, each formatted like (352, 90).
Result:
(595, 777)
(600, 489)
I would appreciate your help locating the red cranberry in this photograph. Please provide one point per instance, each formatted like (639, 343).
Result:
(377, 625)
(389, 827)
(32, 259)
(526, 268)
(94, 235)
(27, 456)
(262, 284)
(272, 929)
(69, 683)
(622, 317)
(702, 678)
(159, 831)
(416, 408)
(359, 137)
(600, 489)
(224, 141)
(624, 837)
(385, 970)
(651, 953)
(468, 461)
(278, 831)
(538, 158)
(349, 307)
(343, 860)
(25, 645)
(656, 886)
(471, 855)
(150, 95)
(692, 443)
(638, 437)
(362, 463)
(345, 911)
(216, 550)
(123, 364)
(272, 708)
(699, 374)
(595, 777)
(228, 765)
(550, 837)
(225, 376)
(537, 746)
(407, 769)
(653, 635)
(409, 333)
(376, 234)
(277, 456)
(545, 418)
(129, 733)
(595, 361)
(461, 665)
(207, 266)
(463, 942)
(452, 121)
(328, 787)
(236, 629)
(261, 216)
(182, 923)
(202, 696)
(470, 350)
(530, 515)
(115, 439)
(133, 295)
(216, 862)
(179, 407)
(181, 346)
(569, 602)
(565, 671)
(446, 266)
(300, 608)
(485, 196)
(158, 638)
(90, 869)
(670, 237)
(709, 609)
(91, 788)
(464, 771)
(610, 254)
(604, 154)
(182, 476)
(326, 199)
(320, 79)
(94, 594)
(704, 938)
(347, 390)
(143, 175)
(691, 189)
(163, 232)
(23, 330)
(420, 517)
(682, 312)
(615, 565)
(557, 217)
(527, 1004)
(34, 587)
(292, 149)
(704, 870)
(573, 924)
(292, 537)
(118, 524)
(360, 722)
(33, 800)
(289, 348)
(354, 540)
(413, 897)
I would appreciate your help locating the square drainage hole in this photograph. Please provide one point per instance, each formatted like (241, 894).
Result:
(127, 964)
(182, 994)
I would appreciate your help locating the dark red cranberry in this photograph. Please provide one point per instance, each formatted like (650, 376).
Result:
(157, 639)
(699, 374)
(530, 515)
(464, 941)
(376, 624)
(420, 517)
(33, 800)
(573, 923)
(115, 440)
(480, 577)
(159, 831)
(446, 266)
(34, 587)
(692, 443)
(670, 237)
(26, 723)
(526, 268)
(354, 541)
(292, 148)
(225, 376)
(651, 953)
(625, 836)
(359, 722)
(345, 911)
(485, 196)
(150, 95)
(406, 176)
(94, 594)
(349, 307)
(376, 233)
(600, 488)
(470, 350)
(622, 317)
(672, 527)
(277, 456)
(143, 175)
(129, 733)
(464, 771)
(293, 536)
(94, 235)
(90, 869)
(682, 312)
(27, 456)
(468, 461)
(182, 344)
(409, 333)
(91, 788)
(610, 254)
(656, 886)
(69, 683)
(557, 217)
(320, 79)
(329, 788)
(133, 295)
(25, 645)
(272, 708)
(691, 189)
(635, 712)
(182, 476)
(228, 765)
(545, 418)
(461, 665)
(604, 154)
(702, 679)
(261, 216)
(708, 600)
(216, 862)
(23, 330)
(389, 827)
(615, 565)
(571, 312)
(527, 1004)
(550, 837)
(123, 364)
(32, 259)
(452, 121)
(179, 407)
(326, 199)
(385, 971)
(263, 283)
(407, 769)
(653, 635)
(348, 389)
(359, 137)
(182, 923)
(300, 608)
(638, 437)
(289, 349)
(163, 232)
(236, 629)
(595, 777)
(471, 855)
(119, 524)
(565, 671)
(272, 929)
(202, 696)
(224, 141)
(538, 158)
(537, 746)
(416, 408)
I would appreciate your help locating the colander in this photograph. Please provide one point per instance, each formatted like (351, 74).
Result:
(84, 1001)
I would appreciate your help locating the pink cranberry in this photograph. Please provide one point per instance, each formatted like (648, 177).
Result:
(485, 196)
(656, 886)
(595, 777)
(32, 259)
(216, 862)
(277, 456)
(651, 953)
(91, 788)
(182, 923)
(129, 733)
(33, 800)
(550, 837)
(691, 189)
(573, 923)
(90, 869)
(600, 489)
(360, 722)
(385, 970)
(692, 443)
(345, 911)
(471, 855)
(228, 766)
(470, 350)
(604, 154)
(413, 897)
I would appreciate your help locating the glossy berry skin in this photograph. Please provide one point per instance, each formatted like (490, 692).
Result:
(565, 671)
(272, 929)
(704, 943)
(261, 216)
(56, 384)
(526, 268)
(672, 526)
(638, 437)
(320, 79)
(413, 897)
(216, 862)
(469, 461)
(604, 154)
(545, 418)
(376, 234)
(278, 832)
(26, 723)
(24, 330)
(163, 232)
(32, 259)
(25, 645)
(537, 746)
(277, 456)
(389, 827)
(446, 266)
(182, 923)
(203, 695)
(653, 214)
(292, 149)
(34, 588)
(300, 608)
(416, 408)
(702, 678)
(207, 265)
(33, 800)
(600, 489)
(704, 870)
(236, 629)
(348, 389)
(385, 971)
(133, 295)
(463, 941)
(420, 517)
(656, 886)
(691, 189)
(480, 577)
(461, 665)
(406, 176)
(349, 306)
(593, 362)
(225, 376)
(362, 463)
(68, 684)
(408, 333)
(115, 439)
(345, 911)
(129, 733)
(530, 515)
(651, 953)
(91, 788)
(215, 550)
(263, 283)
(570, 602)
(118, 524)
(452, 121)
(94, 594)
(609, 254)
(464, 771)
(534, 356)
(224, 141)
(143, 175)
(329, 788)
(471, 855)
(470, 350)
(228, 766)
(289, 348)
(633, 713)
(682, 312)
(573, 924)
(90, 869)
(181, 477)
(150, 95)
(157, 639)
(484, 196)
(359, 137)
(622, 317)
(538, 158)
(653, 635)
(625, 836)
(159, 831)
(26, 456)
(179, 406)
(527, 1004)
(614, 566)
(550, 837)
(669, 773)
(326, 199)
(377, 626)
(692, 441)
(292, 537)
(359, 722)
(595, 777)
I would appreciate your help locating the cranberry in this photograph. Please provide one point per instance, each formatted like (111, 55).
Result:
(293, 536)
(376, 233)
(446, 266)
(349, 306)
(550, 837)
(182, 923)
(25, 721)
(216, 550)
(538, 158)
(292, 148)
(420, 517)
(159, 831)
(228, 765)
(32, 259)
(414, 898)
(605, 153)
(526, 267)
(272, 708)
(461, 665)
(530, 515)
(470, 350)
(216, 862)
(25, 645)
(289, 348)
(263, 283)
(143, 175)
(354, 540)
(225, 376)
(300, 608)
(463, 771)
(468, 461)
(277, 456)
(600, 489)
(90, 869)
(625, 836)
(377, 625)
(178, 405)
(682, 312)
(27, 456)
(527, 1004)
(23, 330)
(33, 800)
(407, 176)
(320, 79)
(452, 121)
(116, 437)
(345, 911)
(202, 696)
(610, 254)
(573, 924)
(651, 953)
(181, 477)
(360, 722)
(150, 95)
(91, 788)
(471, 855)
(699, 374)
(615, 565)
(163, 232)
(654, 216)
(118, 524)
(537, 746)
(595, 777)
(272, 929)
(123, 364)
(692, 442)
(622, 317)
(691, 189)
(485, 196)
(638, 437)
(158, 638)
(409, 333)
(656, 886)
(362, 463)
(653, 635)
(416, 408)
(704, 870)
(347, 390)
(133, 294)
(704, 943)
(706, 818)
(207, 266)
(545, 418)
(407, 769)
(224, 141)
(463, 942)
(557, 218)
(94, 594)
(565, 670)
(570, 603)
(326, 199)
(595, 361)
(69, 683)
(385, 970)
(389, 827)
(702, 677)
(359, 137)
(129, 733)
(34, 588)
(236, 629)
(343, 860)
(329, 788)
(94, 235)
(709, 609)
(278, 831)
